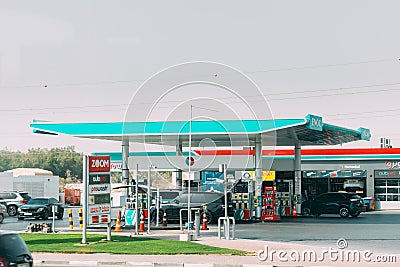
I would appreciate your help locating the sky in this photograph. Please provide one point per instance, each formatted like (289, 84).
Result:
(86, 60)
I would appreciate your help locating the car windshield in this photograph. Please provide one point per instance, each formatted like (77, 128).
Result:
(12, 245)
(38, 201)
(356, 197)
(197, 198)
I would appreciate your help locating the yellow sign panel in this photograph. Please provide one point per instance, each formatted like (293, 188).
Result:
(266, 175)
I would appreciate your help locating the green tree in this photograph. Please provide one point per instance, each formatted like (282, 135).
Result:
(64, 162)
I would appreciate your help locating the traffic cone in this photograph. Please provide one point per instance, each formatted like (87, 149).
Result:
(141, 226)
(294, 210)
(204, 224)
(372, 207)
(118, 223)
(164, 220)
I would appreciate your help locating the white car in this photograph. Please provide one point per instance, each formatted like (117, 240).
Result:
(3, 212)
(353, 183)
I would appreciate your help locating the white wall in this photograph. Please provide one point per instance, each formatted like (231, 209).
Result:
(38, 186)
(6, 181)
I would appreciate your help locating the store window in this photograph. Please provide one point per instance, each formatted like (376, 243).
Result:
(387, 185)
(316, 182)
(387, 189)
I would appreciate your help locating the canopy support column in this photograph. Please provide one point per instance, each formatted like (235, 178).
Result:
(297, 175)
(178, 181)
(258, 174)
(125, 167)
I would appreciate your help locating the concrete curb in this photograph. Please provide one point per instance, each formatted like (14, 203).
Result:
(137, 264)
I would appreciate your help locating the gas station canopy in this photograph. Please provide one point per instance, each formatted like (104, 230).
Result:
(310, 130)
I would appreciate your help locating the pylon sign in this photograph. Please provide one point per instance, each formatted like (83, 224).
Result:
(98, 190)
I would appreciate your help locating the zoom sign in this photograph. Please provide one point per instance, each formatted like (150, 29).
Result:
(99, 164)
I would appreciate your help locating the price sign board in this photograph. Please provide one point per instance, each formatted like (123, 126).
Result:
(98, 190)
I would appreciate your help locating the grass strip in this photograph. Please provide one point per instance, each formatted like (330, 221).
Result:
(71, 243)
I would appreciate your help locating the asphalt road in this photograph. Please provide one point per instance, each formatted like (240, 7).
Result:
(376, 231)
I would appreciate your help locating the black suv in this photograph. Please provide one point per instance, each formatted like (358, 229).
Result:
(13, 251)
(214, 202)
(344, 204)
(13, 199)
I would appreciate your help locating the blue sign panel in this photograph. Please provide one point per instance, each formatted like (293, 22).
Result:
(314, 122)
(212, 181)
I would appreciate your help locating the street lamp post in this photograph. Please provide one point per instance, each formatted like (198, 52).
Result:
(148, 199)
(190, 163)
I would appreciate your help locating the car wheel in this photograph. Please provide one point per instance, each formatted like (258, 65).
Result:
(60, 214)
(355, 214)
(344, 212)
(160, 216)
(12, 210)
(209, 217)
(20, 218)
(306, 212)
(1, 217)
(45, 215)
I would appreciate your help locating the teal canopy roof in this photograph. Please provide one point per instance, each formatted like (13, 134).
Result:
(223, 133)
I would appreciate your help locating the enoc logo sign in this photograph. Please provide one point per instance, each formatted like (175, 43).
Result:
(99, 164)
(314, 122)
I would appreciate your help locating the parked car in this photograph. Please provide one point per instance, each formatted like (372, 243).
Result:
(3, 212)
(13, 199)
(13, 251)
(353, 184)
(40, 207)
(214, 202)
(344, 204)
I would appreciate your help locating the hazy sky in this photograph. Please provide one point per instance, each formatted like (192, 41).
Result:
(84, 60)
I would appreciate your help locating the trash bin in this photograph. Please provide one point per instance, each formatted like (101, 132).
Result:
(377, 204)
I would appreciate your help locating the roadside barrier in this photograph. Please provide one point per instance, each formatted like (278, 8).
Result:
(118, 223)
(204, 225)
(70, 219)
(164, 220)
(80, 218)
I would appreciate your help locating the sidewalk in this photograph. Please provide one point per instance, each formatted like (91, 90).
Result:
(255, 258)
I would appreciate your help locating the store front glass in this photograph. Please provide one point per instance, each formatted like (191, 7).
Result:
(316, 182)
(387, 185)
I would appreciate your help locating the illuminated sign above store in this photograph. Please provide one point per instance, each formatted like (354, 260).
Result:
(393, 164)
(386, 174)
(335, 174)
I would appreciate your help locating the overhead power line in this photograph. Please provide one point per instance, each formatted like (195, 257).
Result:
(325, 65)
(343, 91)
(87, 83)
